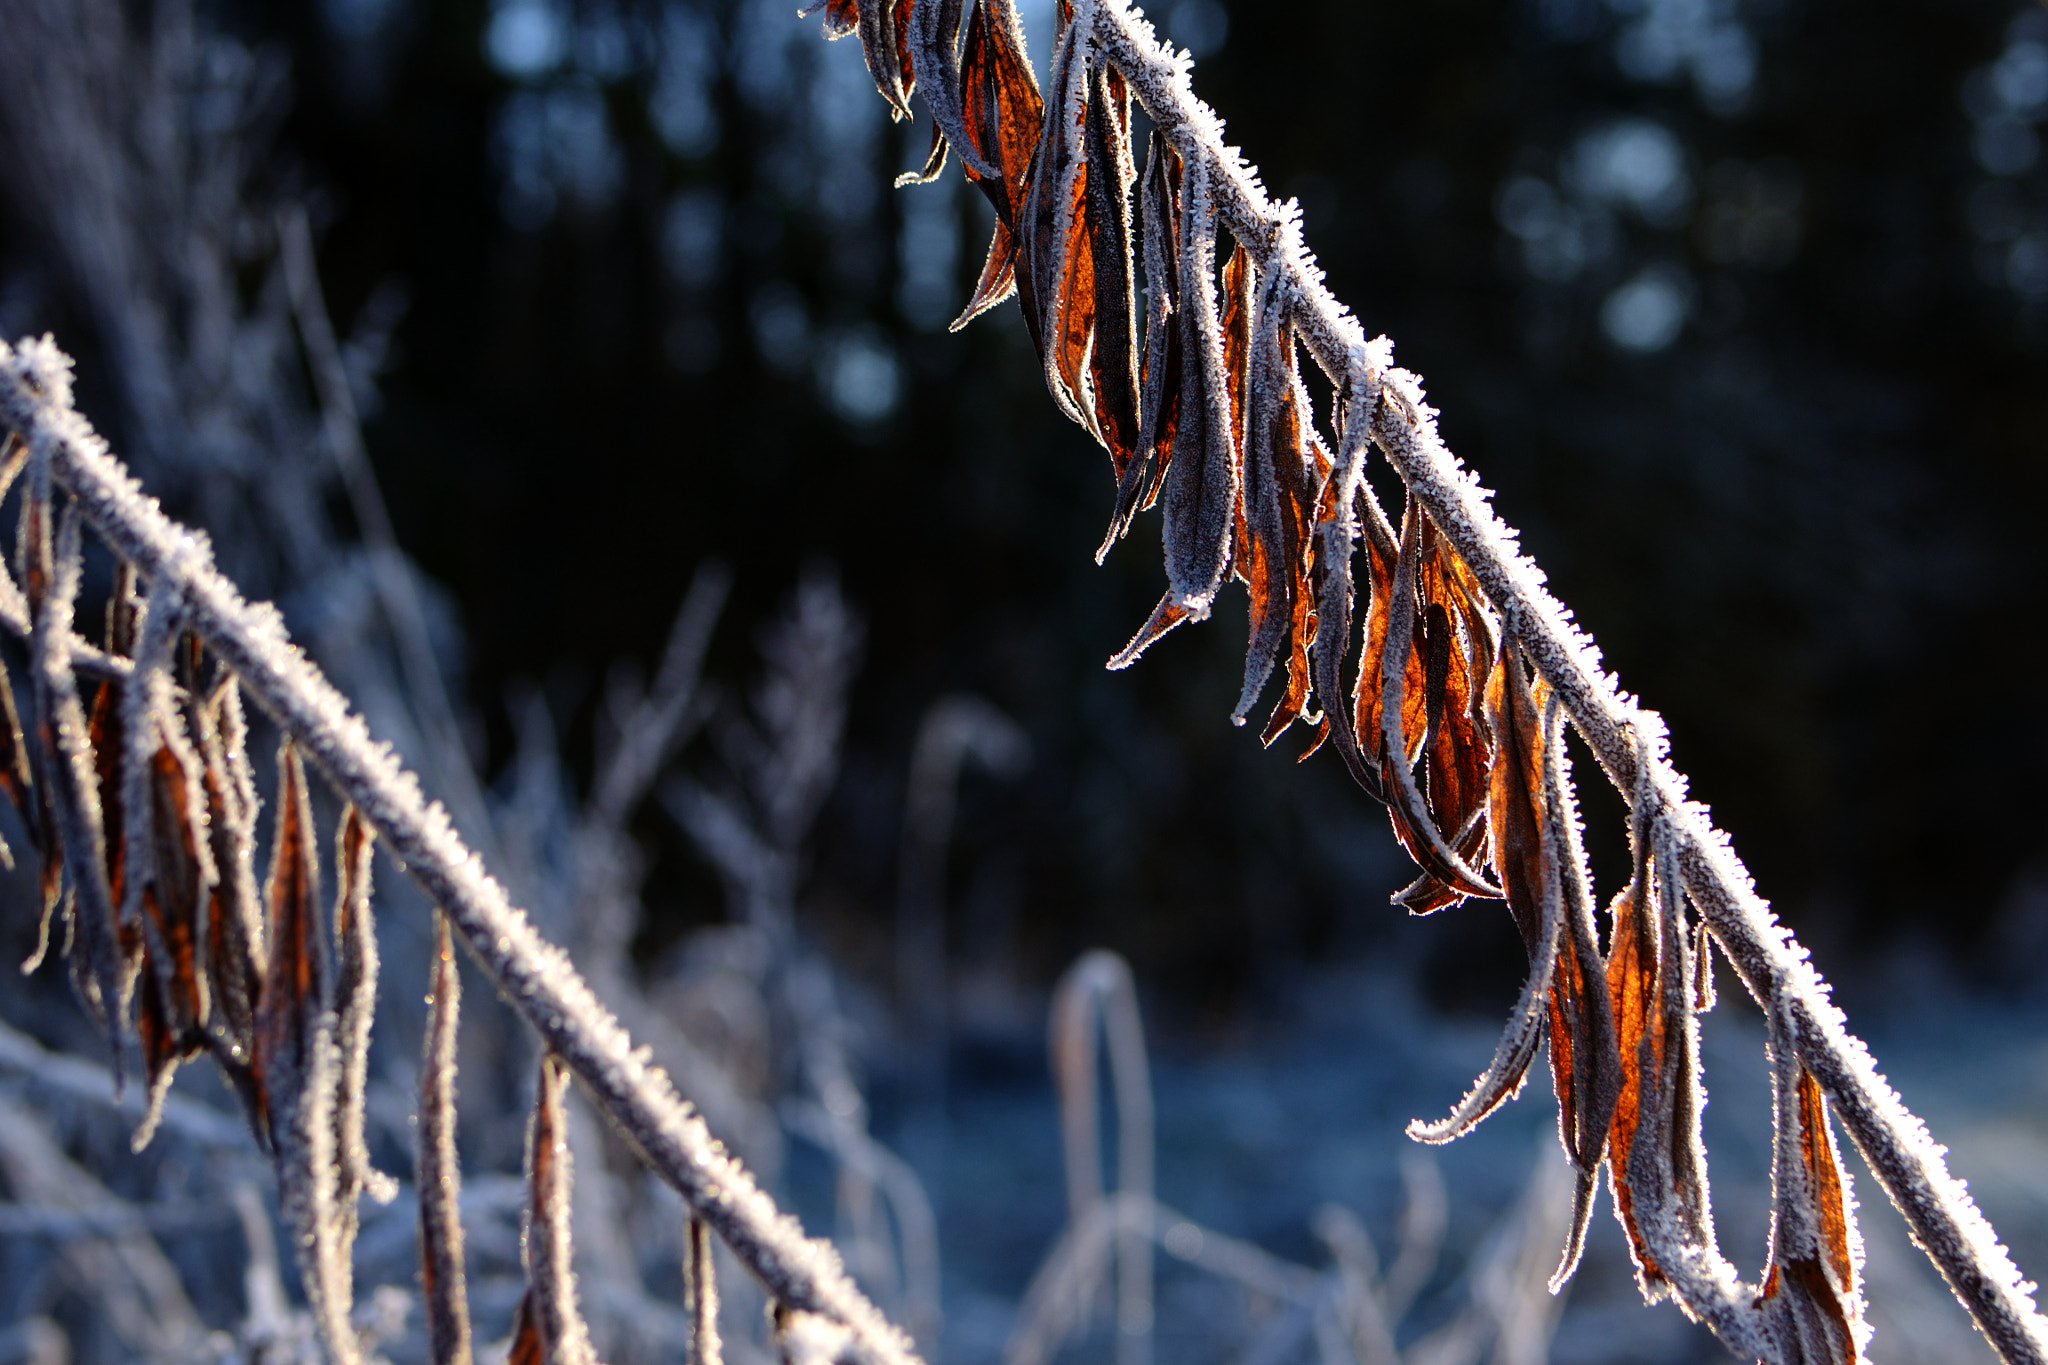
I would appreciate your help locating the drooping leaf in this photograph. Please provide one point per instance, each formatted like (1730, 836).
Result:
(549, 1308)
(1001, 109)
(1402, 708)
(1113, 356)
(1585, 1065)
(105, 731)
(355, 1005)
(1301, 468)
(443, 1280)
(1055, 265)
(1526, 861)
(296, 1065)
(1457, 655)
(1812, 1294)
(1165, 616)
(1160, 372)
(63, 749)
(998, 278)
(1199, 496)
(1656, 1156)
(1523, 858)
(180, 870)
(235, 950)
(1370, 693)
(292, 1020)
(882, 44)
(1632, 970)
(165, 866)
(1261, 558)
(934, 50)
(1336, 530)
(14, 774)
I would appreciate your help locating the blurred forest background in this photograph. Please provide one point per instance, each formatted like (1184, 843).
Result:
(1742, 306)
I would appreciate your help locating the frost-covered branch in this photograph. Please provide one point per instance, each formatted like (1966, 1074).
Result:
(1466, 661)
(535, 977)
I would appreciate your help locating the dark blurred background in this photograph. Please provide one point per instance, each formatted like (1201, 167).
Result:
(1741, 306)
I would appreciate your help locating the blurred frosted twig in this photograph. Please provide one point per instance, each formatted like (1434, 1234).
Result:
(955, 730)
(124, 1270)
(1097, 991)
(1352, 1312)
(79, 1080)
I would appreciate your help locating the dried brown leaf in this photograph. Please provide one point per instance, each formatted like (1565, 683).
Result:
(355, 1005)
(881, 43)
(443, 1280)
(550, 1307)
(1335, 530)
(1160, 370)
(296, 1065)
(1523, 859)
(1165, 616)
(1585, 1065)
(1113, 355)
(292, 1019)
(1812, 1293)
(1001, 108)
(14, 774)
(1404, 710)
(233, 933)
(1200, 492)
(63, 751)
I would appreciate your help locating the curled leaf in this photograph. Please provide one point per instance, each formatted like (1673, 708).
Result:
(1001, 107)
(1402, 710)
(1585, 1066)
(1526, 862)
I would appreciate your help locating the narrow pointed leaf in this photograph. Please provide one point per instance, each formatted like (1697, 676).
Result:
(1336, 530)
(1199, 496)
(355, 1004)
(69, 776)
(443, 1281)
(550, 1305)
(1168, 614)
(998, 278)
(1113, 357)
(296, 1065)
(235, 954)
